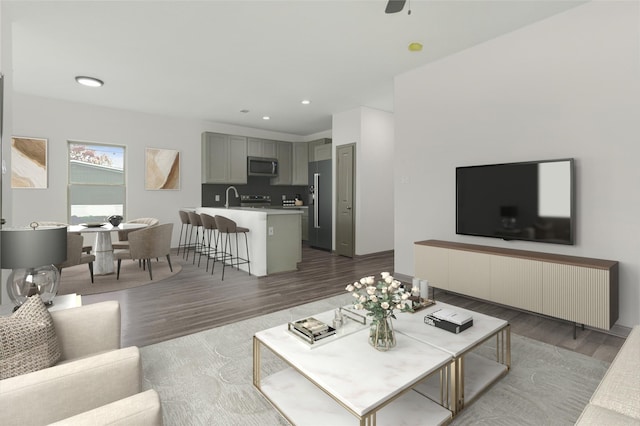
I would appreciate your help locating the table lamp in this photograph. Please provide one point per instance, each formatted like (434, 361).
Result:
(32, 252)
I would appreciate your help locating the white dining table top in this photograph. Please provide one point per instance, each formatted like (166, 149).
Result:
(107, 227)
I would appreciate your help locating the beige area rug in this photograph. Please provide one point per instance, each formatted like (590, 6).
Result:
(76, 279)
(206, 378)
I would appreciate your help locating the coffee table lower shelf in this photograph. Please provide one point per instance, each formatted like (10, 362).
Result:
(479, 374)
(302, 403)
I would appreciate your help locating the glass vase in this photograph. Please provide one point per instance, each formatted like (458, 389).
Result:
(381, 335)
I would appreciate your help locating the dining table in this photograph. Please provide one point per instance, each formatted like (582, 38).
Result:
(102, 246)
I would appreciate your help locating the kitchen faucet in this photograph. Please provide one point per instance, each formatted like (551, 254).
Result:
(226, 204)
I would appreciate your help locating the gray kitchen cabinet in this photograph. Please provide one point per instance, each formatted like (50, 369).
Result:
(284, 154)
(323, 152)
(320, 149)
(300, 170)
(224, 158)
(261, 148)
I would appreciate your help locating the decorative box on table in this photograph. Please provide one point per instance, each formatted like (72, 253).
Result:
(449, 319)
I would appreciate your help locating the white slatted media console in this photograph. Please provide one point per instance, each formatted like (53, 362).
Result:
(577, 289)
(577, 294)
(505, 271)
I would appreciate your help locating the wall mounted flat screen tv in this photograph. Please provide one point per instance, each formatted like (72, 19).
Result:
(531, 201)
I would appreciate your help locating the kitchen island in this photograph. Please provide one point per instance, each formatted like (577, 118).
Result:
(275, 240)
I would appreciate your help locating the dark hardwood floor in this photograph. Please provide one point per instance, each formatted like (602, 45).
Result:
(194, 300)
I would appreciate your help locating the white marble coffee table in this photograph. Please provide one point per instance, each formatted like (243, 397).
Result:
(471, 373)
(347, 382)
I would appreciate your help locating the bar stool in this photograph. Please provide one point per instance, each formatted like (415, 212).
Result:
(227, 227)
(209, 231)
(184, 218)
(198, 244)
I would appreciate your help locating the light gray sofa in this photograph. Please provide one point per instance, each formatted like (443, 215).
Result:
(95, 382)
(616, 401)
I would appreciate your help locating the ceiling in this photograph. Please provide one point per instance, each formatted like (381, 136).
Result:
(209, 60)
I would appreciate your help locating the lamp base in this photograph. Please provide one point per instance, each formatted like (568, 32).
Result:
(23, 283)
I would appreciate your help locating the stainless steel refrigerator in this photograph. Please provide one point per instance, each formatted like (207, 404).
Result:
(320, 223)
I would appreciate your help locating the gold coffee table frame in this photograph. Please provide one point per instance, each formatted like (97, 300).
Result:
(503, 356)
(367, 419)
(446, 385)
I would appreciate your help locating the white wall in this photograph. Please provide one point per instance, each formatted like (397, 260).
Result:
(568, 86)
(346, 129)
(375, 198)
(5, 68)
(373, 133)
(60, 122)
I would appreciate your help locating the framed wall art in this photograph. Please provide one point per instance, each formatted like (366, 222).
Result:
(28, 162)
(162, 169)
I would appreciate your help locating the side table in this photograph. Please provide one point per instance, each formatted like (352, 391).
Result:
(64, 301)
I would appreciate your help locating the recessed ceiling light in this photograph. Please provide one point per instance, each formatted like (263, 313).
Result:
(306, 102)
(89, 81)
(266, 117)
(415, 47)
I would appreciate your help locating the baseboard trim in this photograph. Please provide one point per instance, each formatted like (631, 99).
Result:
(378, 253)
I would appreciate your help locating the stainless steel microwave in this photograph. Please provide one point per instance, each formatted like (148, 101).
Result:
(257, 166)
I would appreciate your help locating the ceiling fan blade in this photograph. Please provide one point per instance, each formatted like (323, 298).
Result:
(394, 6)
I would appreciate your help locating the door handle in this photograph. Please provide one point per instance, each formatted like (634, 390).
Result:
(316, 203)
(348, 207)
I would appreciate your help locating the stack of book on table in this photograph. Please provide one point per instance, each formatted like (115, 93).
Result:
(449, 319)
(311, 329)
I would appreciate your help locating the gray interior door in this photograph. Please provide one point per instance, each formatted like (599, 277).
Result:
(345, 188)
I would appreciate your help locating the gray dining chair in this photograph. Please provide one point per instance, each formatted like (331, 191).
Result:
(75, 254)
(145, 244)
(123, 234)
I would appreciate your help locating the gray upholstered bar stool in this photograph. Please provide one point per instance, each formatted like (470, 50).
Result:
(211, 236)
(198, 244)
(186, 228)
(227, 227)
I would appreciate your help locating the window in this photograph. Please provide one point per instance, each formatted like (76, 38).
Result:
(96, 182)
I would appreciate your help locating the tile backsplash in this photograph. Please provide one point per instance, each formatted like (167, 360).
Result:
(255, 185)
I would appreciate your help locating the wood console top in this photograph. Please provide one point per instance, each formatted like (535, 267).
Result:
(524, 254)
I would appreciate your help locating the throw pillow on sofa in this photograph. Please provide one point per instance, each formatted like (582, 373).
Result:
(28, 340)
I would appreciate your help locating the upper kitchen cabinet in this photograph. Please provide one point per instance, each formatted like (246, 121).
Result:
(284, 154)
(224, 158)
(320, 149)
(300, 172)
(261, 148)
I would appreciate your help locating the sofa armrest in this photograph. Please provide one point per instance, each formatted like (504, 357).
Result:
(619, 389)
(142, 409)
(594, 415)
(72, 388)
(88, 329)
